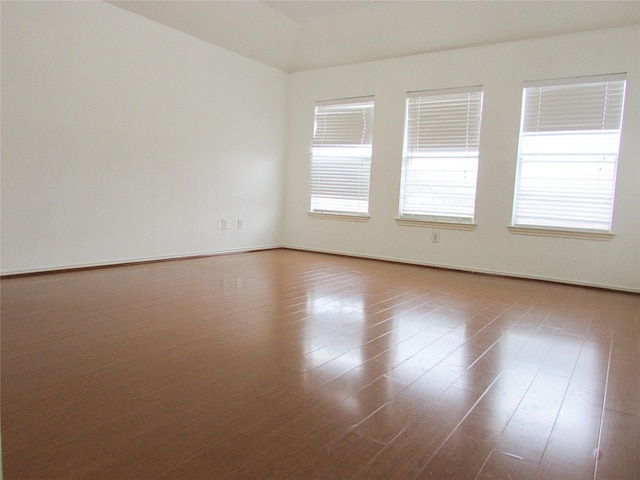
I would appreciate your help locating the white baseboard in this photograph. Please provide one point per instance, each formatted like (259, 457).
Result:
(316, 250)
(467, 269)
(130, 261)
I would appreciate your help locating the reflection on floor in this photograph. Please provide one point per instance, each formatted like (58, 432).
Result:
(284, 364)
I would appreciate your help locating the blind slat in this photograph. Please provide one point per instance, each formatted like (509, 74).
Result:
(590, 106)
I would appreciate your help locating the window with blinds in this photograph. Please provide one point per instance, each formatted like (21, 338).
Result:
(569, 140)
(440, 161)
(341, 156)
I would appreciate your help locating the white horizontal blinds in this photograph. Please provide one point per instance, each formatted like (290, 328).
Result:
(341, 156)
(440, 167)
(568, 153)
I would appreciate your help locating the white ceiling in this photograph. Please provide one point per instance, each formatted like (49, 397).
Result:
(300, 35)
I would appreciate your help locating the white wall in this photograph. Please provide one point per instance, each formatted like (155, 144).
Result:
(501, 69)
(124, 140)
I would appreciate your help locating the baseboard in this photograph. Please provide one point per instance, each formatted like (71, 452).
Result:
(138, 261)
(132, 261)
(495, 273)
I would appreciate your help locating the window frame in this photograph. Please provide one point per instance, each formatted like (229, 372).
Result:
(328, 142)
(547, 133)
(474, 94)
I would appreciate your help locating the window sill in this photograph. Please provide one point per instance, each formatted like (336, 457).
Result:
(551, 232)
(431, 224)
(350, 217)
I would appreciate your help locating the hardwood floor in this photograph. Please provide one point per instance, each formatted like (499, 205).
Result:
(292, 365)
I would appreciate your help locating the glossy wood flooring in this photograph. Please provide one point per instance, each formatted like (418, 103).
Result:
(292, 365)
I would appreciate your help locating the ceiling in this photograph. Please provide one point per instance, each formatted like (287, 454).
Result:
(301, 35)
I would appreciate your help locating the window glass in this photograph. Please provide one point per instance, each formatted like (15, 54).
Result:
(568, 153)
(341, 156)
(440, 161)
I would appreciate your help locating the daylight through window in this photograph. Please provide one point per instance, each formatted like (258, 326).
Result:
(341, 157)
(568, 153)
(440, 164)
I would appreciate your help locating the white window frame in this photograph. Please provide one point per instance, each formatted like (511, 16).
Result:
(441, 143)
(567, 157)
(341, 153)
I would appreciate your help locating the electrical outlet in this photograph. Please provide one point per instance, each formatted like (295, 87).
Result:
(240, 224)
(223, 224)
(435, 237)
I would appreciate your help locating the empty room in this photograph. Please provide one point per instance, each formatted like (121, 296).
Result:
(320, 240)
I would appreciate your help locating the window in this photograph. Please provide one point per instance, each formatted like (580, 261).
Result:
(569, 140)
(440, 161)
(341, 157)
